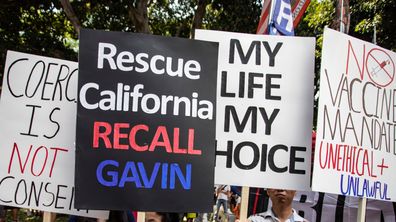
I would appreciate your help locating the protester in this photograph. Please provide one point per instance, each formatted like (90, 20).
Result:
(121, 216)
(73, 218)
(281, 210)
(236, 205)
(202, 217)
(153, 217)
(161, 217)
(223, 192)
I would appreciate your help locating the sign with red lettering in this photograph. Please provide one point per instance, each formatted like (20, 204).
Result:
(355, 150)
(145, 122)
(264, 109)
(37, 119)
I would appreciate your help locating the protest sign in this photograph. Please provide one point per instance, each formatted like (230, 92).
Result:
(37, 119)
(264, 109)
(355, 149)
(145, 122)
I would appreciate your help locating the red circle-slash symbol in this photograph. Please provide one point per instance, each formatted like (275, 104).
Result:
(380, 67)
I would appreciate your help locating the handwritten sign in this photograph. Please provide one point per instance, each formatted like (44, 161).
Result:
(146, 122)
(264, 109)
(37, 119)
(355, 150)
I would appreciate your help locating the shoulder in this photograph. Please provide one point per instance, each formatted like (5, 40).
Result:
(260, 217)
(298, 218)
(256, 218)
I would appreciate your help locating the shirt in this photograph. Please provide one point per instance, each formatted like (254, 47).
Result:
(269, 216)
(223, 196)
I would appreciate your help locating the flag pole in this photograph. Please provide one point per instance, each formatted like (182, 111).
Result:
(271, 13)
(342, 17)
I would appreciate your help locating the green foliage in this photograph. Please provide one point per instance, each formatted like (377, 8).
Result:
(26, 215)
(233, 15)
(36, 27)
(107, 15)
(365, 15)
(41, 27)
(172, 18)
(319, 14)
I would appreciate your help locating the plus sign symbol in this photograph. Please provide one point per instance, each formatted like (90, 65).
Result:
(382, 166)
(380, 67)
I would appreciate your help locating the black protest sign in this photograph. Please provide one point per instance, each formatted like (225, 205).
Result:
(145, 122)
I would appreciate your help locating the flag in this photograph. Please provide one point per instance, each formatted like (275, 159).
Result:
(282, 19)
(263, 23)
(298, 9)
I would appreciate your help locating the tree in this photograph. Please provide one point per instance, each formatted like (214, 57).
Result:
(51, 28)
(364, 17)
(71, 15)
(233, 15)
(319, 14)
(35, 27)
(198, 16)
(374, 14)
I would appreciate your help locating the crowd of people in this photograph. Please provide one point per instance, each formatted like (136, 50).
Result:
(226, 205)
(226, 208)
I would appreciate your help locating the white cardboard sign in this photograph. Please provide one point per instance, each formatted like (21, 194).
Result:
(37, 134)
(264, 109)
(355, 153)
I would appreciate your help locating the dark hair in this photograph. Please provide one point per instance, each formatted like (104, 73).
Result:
(169, 217)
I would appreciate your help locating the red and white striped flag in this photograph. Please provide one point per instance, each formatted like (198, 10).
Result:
(298, 9)
(264, 18)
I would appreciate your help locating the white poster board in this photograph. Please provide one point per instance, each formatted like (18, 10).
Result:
(355, 153)
(37, 134)
(264, 109)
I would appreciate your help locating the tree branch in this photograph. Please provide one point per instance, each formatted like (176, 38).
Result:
(139, 16)
(71, 15)
(198, 17)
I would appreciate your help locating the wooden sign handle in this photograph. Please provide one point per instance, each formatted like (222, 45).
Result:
(362, 209)
(244, 203)
(49, 217)
(141, 216)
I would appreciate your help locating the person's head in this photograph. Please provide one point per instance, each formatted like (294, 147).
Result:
(281, 197)
(161, 217)
(154, 217)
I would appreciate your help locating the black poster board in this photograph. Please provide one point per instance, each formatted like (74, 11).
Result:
(145, 122)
